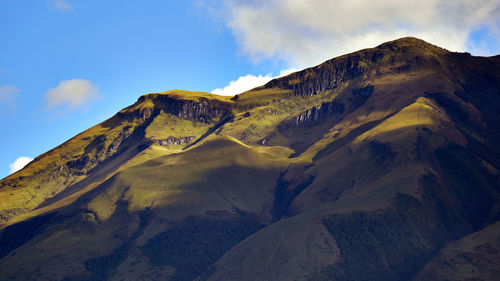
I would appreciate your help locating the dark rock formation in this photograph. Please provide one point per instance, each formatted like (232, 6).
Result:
(327, 76)
(313, 114)
(175, 141)
(205, 110)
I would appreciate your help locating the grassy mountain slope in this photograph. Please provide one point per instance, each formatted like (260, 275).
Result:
(144, 201)
(98, 153)
(366, 167)
(475, 256)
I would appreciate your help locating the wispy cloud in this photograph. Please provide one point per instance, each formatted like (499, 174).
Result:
(72, 94)
(8, 95)
(19, 163)
(305, 33)
(62, 5)
(248, 82)
(8, 92)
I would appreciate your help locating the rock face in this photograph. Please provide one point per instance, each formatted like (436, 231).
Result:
(326, 76)
(314, 114)
(377, 165)
(204, 110)
(175, 140)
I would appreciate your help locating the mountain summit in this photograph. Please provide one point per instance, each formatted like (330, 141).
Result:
(381, 164)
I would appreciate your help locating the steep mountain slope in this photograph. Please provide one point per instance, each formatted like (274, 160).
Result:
(376, 165)
(96, 154)
(473, 257)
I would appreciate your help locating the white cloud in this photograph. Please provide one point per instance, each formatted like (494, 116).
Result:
(62, 5)
(7, 92)
(72, 94)
(242, 84)
(248, 82)
(307, 32)
(19, 164)
(285, 72)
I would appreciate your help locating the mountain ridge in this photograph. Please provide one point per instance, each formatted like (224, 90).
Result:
(376, 160)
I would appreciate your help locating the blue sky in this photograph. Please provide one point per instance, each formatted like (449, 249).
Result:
(66, 65)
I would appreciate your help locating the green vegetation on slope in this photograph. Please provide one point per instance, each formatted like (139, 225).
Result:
(196, 244)
(361, 168)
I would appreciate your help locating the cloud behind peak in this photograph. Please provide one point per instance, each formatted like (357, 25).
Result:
(306, 33)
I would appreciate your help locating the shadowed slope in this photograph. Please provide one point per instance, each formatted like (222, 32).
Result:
(475, 256)
(112, 224)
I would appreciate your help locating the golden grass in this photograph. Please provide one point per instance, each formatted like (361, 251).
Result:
(421, 113)
(191, 95)
(167, 125)
(177, 180)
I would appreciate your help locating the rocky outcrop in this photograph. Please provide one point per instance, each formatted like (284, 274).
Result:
(327, 76)
(205, 110)
(100, 149)
(357, 98)
(175, 141)
(313, 114)
(103, 147)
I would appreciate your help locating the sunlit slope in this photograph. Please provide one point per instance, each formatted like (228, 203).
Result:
(63, 166)
(167, 120)
(220, 174)
(361, 168)
(220, 180)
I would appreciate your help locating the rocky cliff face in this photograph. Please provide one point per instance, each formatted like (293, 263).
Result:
(314, 114)
(175, 141)
(326, 109)
(326, 76)
(203, 110)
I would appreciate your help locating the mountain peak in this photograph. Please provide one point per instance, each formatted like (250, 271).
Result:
(409, 42)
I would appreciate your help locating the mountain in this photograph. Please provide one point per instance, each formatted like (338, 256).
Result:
(382, 164)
